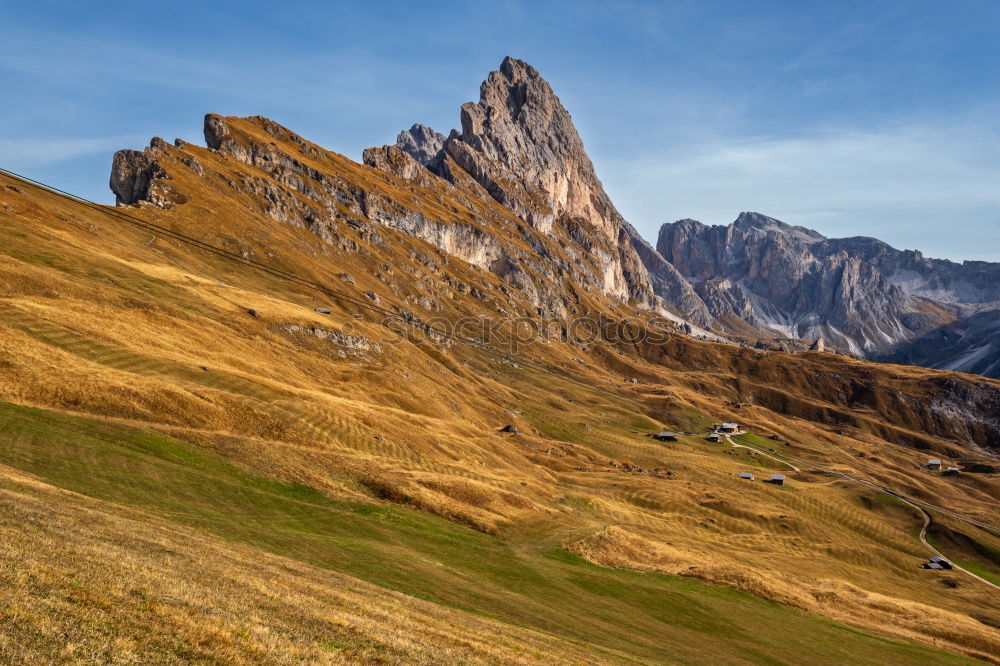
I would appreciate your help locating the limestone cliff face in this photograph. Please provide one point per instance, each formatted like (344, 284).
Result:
(519, 144)
(776, 278)
(520, 124)
(297, 183)
(855, 293)
(668, 283)
(331, 198)
(136, 176)
(421, 142)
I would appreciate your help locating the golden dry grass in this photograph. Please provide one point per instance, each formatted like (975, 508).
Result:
(97, 319)
(86, 582)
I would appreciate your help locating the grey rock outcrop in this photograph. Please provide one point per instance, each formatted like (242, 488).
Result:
(858, 294)
(421, 142)
(668, 283)
(519, 145)
(136, 176)
(297, 193)
(401, 163)
(785, 280)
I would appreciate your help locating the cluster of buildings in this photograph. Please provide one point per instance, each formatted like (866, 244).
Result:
(717, 431)
(716, 436)
(776, 479)
(935, 463)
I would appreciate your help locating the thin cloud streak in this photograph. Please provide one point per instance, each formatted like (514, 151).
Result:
(904, 184)
(688, 109)
(38, 152)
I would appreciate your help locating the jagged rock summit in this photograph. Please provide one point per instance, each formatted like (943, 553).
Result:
(517, 155)
(855, 293)
(518, 142)
(421, 142)
(514, 193)
(521, 125)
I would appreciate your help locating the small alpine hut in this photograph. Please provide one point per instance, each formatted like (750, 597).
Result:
(745, 475)
(729, 427)
(714, 437)
(933, 463)
(667, 436)
(945, 564)
(777, 479)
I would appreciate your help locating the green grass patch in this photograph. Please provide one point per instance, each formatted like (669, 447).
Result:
(647, 616)
(979, 570)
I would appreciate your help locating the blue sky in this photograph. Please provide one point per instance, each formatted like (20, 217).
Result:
(853, 118)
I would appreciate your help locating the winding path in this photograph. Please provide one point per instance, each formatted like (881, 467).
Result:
(923, 540)
(923, 512)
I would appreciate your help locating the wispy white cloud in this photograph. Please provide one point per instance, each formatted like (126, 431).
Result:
(688, 109)
(907, 184)
(32, 152)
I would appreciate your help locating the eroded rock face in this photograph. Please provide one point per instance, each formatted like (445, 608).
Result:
(136, 176)
(519, 144)
(401, 163)
(326, 200)
(420, 142)
(775, 277)
(668, 283)
(854, 293)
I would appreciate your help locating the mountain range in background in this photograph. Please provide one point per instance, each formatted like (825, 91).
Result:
(857, 294)
(233, 368)
(759, 280)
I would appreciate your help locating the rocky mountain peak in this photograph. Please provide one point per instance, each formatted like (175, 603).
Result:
(857, 293)
(518, 142)
(421, 142)
(520, 124)
(758, 222)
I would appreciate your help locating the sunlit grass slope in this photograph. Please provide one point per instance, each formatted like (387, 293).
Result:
(144, 571)
(228, 410)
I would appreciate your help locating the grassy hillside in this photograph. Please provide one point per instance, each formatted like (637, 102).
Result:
(167, 511)
(212, 404)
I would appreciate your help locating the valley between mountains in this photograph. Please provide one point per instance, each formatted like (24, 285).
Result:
(242, 421)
